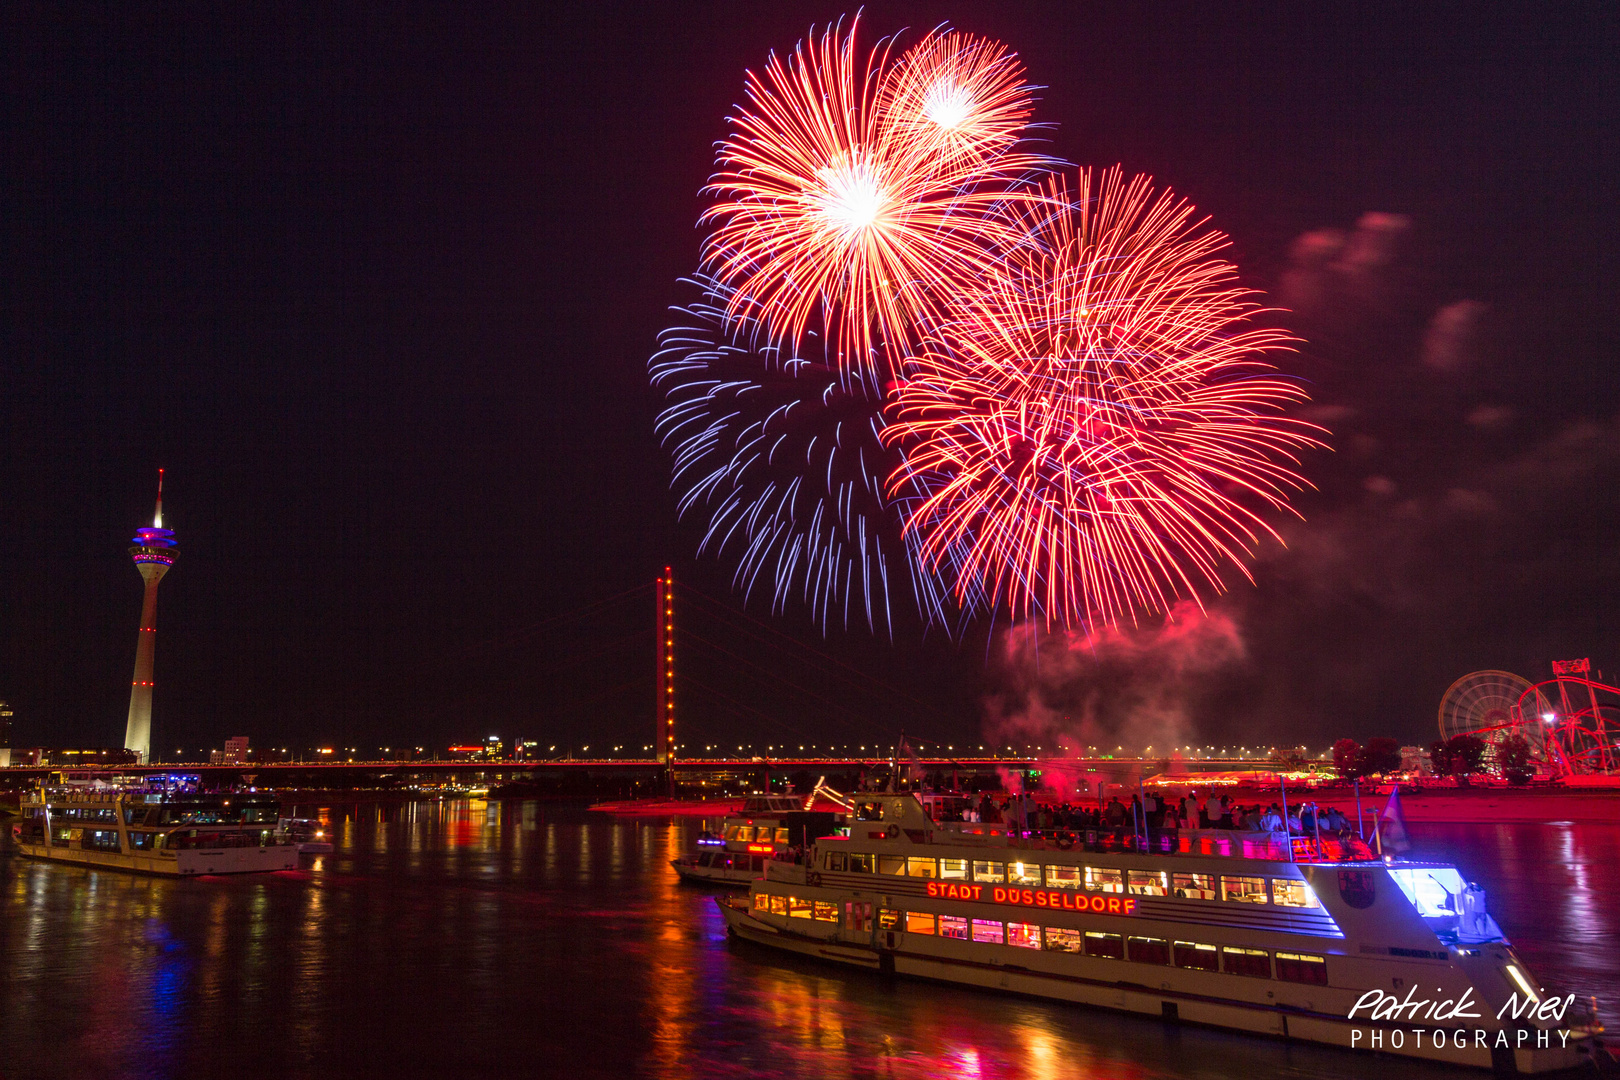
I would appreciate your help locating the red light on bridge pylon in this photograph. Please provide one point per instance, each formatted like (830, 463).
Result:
(664, 701)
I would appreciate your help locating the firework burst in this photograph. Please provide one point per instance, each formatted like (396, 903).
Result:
(1094, 432)
(962, 103)
(855, 190)
(782, 456)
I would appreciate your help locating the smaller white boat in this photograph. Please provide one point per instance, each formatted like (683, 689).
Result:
(767, 825)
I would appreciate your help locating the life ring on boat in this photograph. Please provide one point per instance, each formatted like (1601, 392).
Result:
(893, 832)
(814, 879)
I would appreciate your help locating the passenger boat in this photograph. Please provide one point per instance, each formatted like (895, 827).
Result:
(1239, 930)
(766, 825)
(168, 832)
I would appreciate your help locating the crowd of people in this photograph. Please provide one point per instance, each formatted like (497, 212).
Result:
(1151, 817)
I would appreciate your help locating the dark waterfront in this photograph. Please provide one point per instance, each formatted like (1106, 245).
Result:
(519, 940)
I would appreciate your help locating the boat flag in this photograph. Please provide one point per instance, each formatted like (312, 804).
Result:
(1392, 824)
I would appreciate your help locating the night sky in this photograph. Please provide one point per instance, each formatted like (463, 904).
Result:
(377, 286)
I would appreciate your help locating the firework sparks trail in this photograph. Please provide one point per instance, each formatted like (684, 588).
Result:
(855, 190)
(783, 456)
(1095, 432)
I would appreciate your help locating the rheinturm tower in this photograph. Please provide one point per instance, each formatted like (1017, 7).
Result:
(154, 551)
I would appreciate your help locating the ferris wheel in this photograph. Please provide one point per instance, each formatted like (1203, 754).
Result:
(1492, 705)
(1482, 703)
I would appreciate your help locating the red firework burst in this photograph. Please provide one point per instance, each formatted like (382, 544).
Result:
(1094, 433)
(962, 101)
(830, 213)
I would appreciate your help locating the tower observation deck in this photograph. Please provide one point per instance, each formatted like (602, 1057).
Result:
(154, 551)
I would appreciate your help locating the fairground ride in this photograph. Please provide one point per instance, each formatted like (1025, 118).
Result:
(1570, 722)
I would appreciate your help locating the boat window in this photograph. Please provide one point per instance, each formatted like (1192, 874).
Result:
(757, 864)
(1434, 891)
(1059, 939)
(799, 907)
(1023, 873)
(919, 867)
(871, 811)
(860, 864)
(953, 868)
(142, 841)
(834, 860)
(101, 839)
(952, 927)
(1249, 890)
(705, 858)
(1024, 935)
(988, 930)
(781, 835)
(1109, 945)
(1149, 950)
(858, 915)
(1302, 968)
(1194, 886)
(1149, 882)
(989, 871)
(778, 904)
(919, 922)
(733, 832)
(1252, 962)
(1291, 893)
(888, 918)
(745, 832)
(891, 864)
(762, 902)
(1062, 877)
(827, 910)
(1191, 955)
(1098, 880)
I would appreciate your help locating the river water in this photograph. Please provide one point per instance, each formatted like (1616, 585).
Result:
(516, 940)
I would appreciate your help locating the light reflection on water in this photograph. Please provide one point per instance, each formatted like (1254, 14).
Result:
(519, 939)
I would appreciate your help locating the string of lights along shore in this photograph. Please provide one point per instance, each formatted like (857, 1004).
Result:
(154, 550)
(924, 364)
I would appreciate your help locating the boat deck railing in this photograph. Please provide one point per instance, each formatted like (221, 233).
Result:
(1228, 843)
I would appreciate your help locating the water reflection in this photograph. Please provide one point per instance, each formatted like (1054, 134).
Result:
(463, 938)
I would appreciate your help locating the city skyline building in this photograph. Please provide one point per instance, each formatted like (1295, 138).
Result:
(154, 551)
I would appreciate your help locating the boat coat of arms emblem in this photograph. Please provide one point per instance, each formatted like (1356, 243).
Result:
(1357, 888)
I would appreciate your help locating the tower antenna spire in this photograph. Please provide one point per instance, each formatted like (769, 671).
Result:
(157, 518)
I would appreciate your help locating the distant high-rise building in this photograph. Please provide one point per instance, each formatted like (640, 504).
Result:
(5, 734)
(154, 551)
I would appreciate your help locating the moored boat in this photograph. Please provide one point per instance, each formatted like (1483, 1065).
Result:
(174, 833)
(1314, 940)
(766, 827)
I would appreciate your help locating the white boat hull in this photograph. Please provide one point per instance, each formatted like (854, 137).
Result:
(712, 875)
(185, 863)
(1167, 1004)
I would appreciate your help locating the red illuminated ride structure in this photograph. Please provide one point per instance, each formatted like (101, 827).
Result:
(1570, 722)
